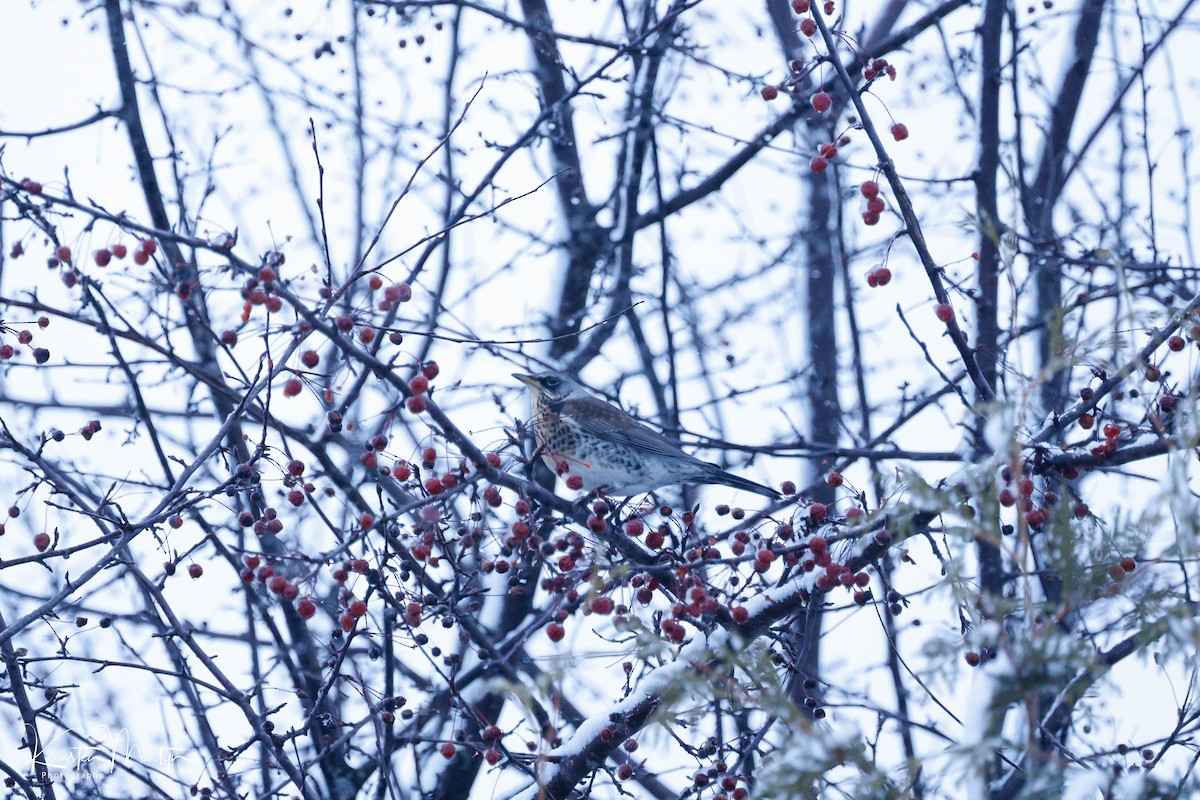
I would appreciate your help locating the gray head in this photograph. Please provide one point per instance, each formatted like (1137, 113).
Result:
(551, 387)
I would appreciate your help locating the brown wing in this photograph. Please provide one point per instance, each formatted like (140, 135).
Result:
(606, 421)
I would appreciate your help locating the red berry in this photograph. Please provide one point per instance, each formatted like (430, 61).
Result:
(267, 274)
(875, 205)
(398, 293)
(63, 253)
(634, 527)
(310, 359)
(430, 370)
(346, 620)
(883, 276)
(741, 615)
(417, 404)
(140, 257)
(292, 387)
(808, 26)
(944, 312)
(834, 479)
(1166, 403)
(358, 608)
(869, 189)
(493, 460)
(418, 384)
(899, 131)
(828, 150)
(296, 497)
(1086, 421)
(25, 336)
(491, 496)
(375, 283)
(800, 6)
(769, 93)
(816, 512)
(306, 608)
(401, 471)
(870, 218)
(574, 482)
(1175, 343)
(555, 632)
(102, 257)
(1128, 564)
(41, 542)
(367, 520)
(821, 101)
(195, 570)
(1007, 498)
(602, 605)
(818, 164)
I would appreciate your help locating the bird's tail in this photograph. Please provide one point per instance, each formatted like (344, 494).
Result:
(729, 479)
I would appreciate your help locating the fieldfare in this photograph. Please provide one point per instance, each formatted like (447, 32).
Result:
(609, 449)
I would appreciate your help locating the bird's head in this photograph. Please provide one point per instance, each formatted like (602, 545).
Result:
(551, 387)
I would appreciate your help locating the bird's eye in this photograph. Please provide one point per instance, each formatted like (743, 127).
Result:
(553, 382)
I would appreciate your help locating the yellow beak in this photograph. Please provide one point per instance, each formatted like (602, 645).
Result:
(528, 380)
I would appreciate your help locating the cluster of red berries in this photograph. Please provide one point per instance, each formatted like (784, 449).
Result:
(870, 192)
(827, 152)
(1036, 517)
(393, 295)
(419, 385)
(876, 67)
(1122, 568)
(40, 354)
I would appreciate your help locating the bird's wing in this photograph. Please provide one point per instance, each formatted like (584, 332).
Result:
(606, 421)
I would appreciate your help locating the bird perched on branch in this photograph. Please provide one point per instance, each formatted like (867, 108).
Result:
(609, 449)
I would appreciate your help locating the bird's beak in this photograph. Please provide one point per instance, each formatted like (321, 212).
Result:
(528, 380)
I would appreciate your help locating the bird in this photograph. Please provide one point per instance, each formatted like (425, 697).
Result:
(607, 448)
